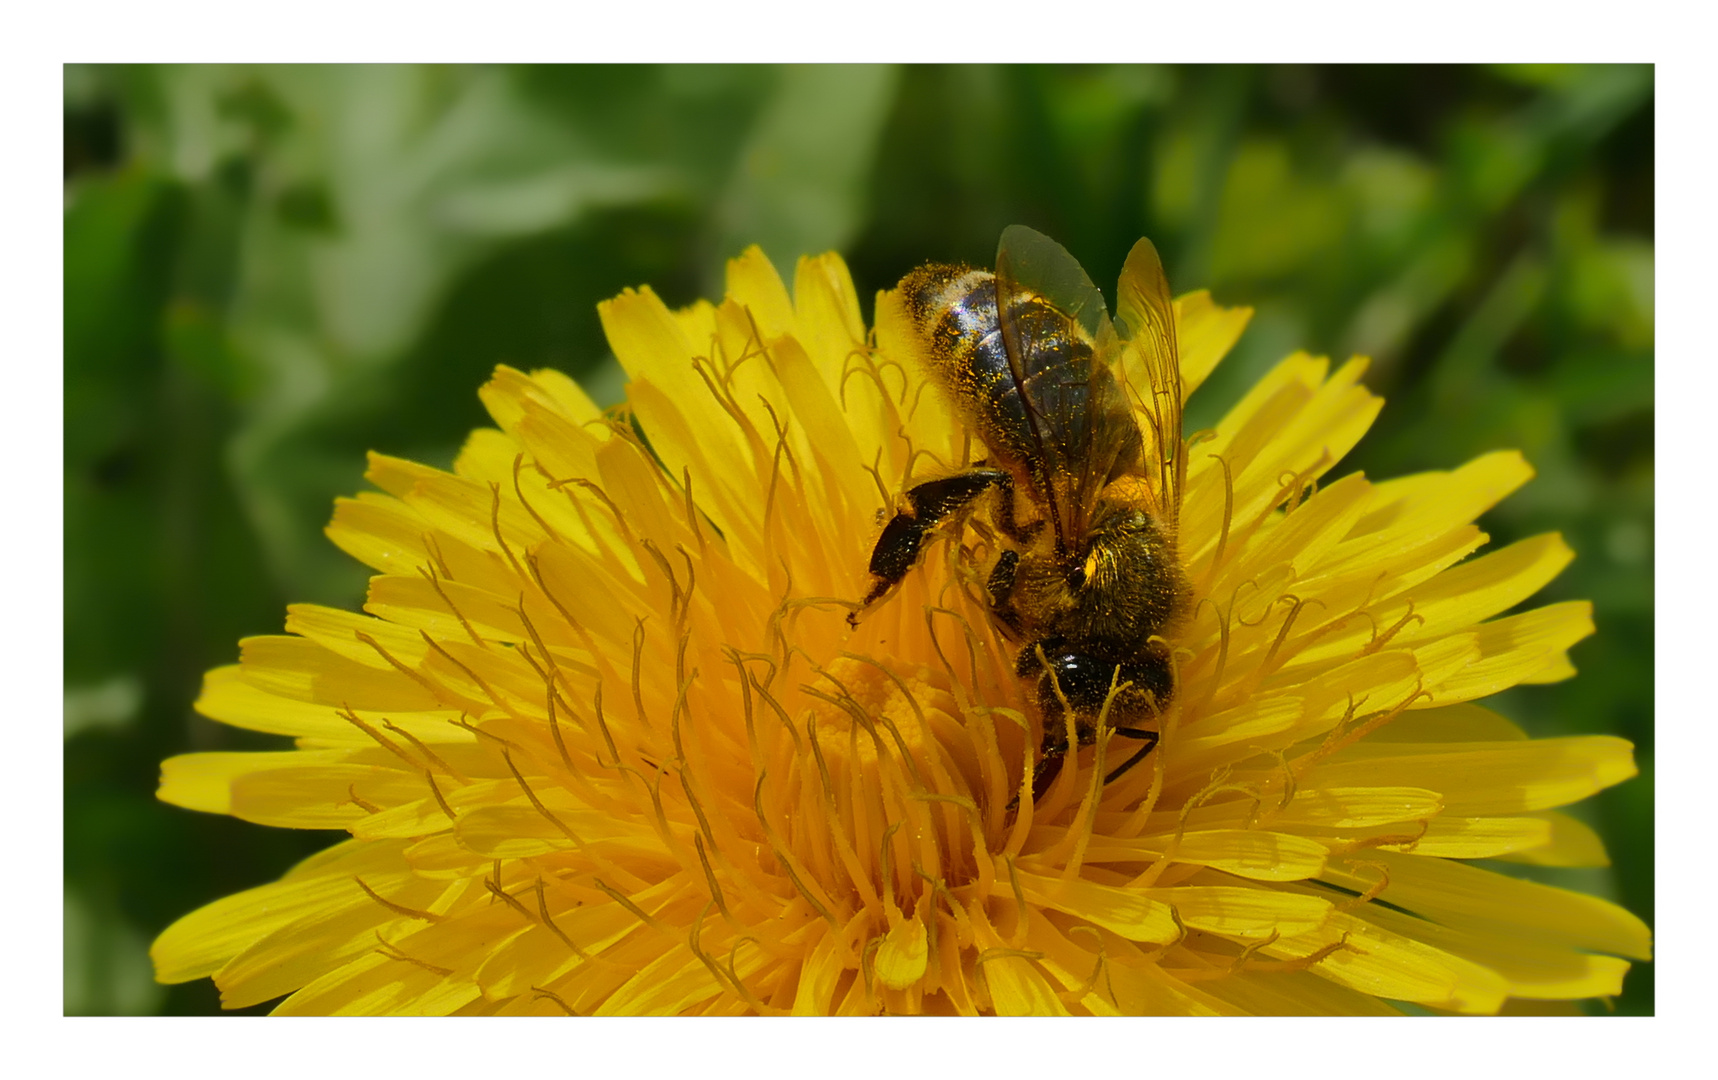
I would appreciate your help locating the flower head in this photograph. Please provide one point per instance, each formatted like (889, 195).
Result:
(605, 741)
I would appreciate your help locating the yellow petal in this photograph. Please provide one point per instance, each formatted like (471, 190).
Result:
(1483, 779)
(1480, 838)
(198, 944)
(1204, 334)
(817, 979)
(343, 632)
(833, 447)
(1374, 960)
(1018, 988)
(826, 311)
(487, 454)
(1556, 669)
(511, 832)
(304, 670)
(754, 283)
(230, 698)
(538, 956)
(1478, 589)
(1338, 806)
(1571, 842)
(1239, 912)
(674, 981)
(443, 609)
(509, 391)
(1295, 993)
(1126, 912)
(1534, 970)
(1248, 853)
(900, 961)
(1298, 373)
(1428, 504)
(1145, 989)
(557, 427)
(378, 985)
(205, 781)
(1320, 433)
(1465, 722)
(407, 821)
(1516, 647)
(314, 793)
(1466, 897)
(1304, 538)
(646, 338)
(318, 942)
(691, 434)
(379, 531)
(1253, 720)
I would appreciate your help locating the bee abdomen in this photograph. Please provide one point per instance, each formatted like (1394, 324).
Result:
(955, 309)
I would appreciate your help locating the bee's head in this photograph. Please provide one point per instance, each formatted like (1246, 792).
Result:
(1086, 681)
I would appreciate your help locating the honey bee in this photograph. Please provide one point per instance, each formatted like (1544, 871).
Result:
(1086, 577)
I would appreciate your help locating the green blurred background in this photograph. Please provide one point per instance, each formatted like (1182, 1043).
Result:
(269, 271)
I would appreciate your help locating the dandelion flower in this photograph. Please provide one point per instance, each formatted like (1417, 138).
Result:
(605, 743)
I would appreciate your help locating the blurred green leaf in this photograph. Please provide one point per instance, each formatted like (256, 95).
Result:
(107, 968)
(799, 185)
(110, 704)
(1272, 221)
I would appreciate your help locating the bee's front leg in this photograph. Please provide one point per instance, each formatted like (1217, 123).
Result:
(1149, 738)
(1021, 534)
(898, 548)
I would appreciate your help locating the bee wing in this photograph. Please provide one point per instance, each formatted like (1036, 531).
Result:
(1081, 419)
(1027, 259)
(1151, 368)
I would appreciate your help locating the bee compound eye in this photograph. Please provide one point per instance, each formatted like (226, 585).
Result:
(1076, 577)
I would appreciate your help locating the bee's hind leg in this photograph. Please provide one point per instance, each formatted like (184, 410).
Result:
(1045, 772)
(898, 548)
(1001, 589)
